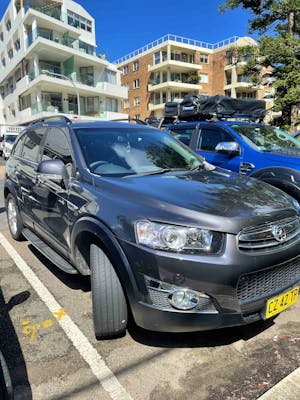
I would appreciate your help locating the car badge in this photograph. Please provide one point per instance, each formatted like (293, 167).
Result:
(279, 233)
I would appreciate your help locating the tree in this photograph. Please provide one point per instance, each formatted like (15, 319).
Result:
(278, 21)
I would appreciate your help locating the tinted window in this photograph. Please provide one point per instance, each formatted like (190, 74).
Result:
(56, 146)
(32, 140)
(209, 138)
(127, 151)
(183, 134)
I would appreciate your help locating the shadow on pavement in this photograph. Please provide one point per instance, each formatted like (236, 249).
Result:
(11, 350)
(77, 282)
(218, 337)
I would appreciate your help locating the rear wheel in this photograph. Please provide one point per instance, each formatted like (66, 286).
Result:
(109, 303)
(14, 220)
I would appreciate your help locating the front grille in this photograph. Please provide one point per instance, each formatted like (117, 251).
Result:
(270, 237)
(267, 282)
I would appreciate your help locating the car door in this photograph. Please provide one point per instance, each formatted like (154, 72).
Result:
(50, 205)
(22, 168)
(209, 138)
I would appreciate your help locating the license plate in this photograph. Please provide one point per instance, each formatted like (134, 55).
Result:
(281, 302)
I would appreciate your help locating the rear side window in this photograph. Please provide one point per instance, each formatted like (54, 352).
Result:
(183, 134)
(32, 141)
(209, 138)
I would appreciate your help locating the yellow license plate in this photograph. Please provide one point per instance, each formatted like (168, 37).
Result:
(279, 303)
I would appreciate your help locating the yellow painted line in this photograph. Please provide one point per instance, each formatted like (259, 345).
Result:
(96, 363)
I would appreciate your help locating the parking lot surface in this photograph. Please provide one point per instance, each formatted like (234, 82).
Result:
(46, 335)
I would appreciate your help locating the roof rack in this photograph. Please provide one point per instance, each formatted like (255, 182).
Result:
(58, 118)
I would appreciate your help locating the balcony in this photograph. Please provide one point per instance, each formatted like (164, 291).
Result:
(61, 38)
(174, 84)
(179, 65)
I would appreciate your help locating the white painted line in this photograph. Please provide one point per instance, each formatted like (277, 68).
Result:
(105, 376)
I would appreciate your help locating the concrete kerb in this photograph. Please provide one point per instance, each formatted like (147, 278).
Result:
(287, 389)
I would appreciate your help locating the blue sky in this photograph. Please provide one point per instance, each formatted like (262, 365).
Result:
(123, 26)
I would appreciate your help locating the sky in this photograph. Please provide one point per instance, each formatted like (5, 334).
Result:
(124, 26)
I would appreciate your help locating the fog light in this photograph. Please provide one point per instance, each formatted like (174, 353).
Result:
(184, 299)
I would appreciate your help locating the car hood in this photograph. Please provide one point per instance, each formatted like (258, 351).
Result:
(217, 199)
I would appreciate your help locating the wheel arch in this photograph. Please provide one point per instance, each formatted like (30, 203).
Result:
(90, 230)
(286, 179)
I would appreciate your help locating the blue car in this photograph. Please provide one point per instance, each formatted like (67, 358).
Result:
(254, 149)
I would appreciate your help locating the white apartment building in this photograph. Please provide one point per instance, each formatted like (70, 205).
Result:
(48, 61)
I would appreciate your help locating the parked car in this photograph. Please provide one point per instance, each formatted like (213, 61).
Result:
(7, 144)
(248, 148)
(178, 243)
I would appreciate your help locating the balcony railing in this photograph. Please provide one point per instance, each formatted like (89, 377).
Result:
(63, 39)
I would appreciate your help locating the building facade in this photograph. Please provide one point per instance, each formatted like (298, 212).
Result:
(48, 64)
(173, 66)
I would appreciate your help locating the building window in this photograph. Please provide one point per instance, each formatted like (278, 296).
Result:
(18, 75)
(126, 103)
(125, 70)
(136, 101)
(157, 57)
(79, 22)
(3, 62)
(112, 105)
(137, 116)
(204, 58)
(10, 53)
(136, 84)
(110, 76)
(203, 78)
(8, 25)
(17, 44)
(25, 102)
(136, 65)
(126, 85)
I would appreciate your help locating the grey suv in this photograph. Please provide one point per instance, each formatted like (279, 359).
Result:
(165, 236)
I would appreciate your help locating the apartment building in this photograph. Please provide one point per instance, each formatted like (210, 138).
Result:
(172, 66)
(48, 64)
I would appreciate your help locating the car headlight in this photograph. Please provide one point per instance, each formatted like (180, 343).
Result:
(174, 238)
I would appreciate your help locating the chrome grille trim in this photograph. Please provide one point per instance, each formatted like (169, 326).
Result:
(261, 238)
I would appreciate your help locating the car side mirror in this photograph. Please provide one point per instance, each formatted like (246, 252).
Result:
(54, 170)
(229, 148)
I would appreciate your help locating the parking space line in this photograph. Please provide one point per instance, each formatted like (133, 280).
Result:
(96, 363)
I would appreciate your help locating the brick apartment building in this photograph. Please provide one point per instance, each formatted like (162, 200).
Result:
(173, 66)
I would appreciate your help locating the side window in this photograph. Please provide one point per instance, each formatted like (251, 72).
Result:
(32, 140)
(210, 137)
(18, 146)
(184, 135)
(56, 146)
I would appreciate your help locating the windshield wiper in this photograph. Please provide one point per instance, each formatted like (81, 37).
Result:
(157, 172)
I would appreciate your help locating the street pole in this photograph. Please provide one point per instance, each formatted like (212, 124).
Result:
(45, 71)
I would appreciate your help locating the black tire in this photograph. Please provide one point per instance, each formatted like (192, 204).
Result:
(109, 304)
(17, 227)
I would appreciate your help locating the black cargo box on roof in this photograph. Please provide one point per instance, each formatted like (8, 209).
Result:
(225, 106)
(171, 109)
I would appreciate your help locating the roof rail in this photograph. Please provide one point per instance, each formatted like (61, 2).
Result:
(129, 119)
(58, 118)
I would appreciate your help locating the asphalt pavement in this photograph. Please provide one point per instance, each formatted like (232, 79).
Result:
(46, 335)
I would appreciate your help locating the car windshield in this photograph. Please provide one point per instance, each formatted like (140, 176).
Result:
(10, 138)
(126, 151)
(267, 138)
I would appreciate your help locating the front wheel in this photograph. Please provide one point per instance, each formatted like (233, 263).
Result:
(14, 220)
(109, 302)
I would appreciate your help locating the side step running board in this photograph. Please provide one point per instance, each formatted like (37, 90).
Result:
(47, 251)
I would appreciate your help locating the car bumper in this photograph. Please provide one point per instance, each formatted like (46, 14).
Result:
(238, 286)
